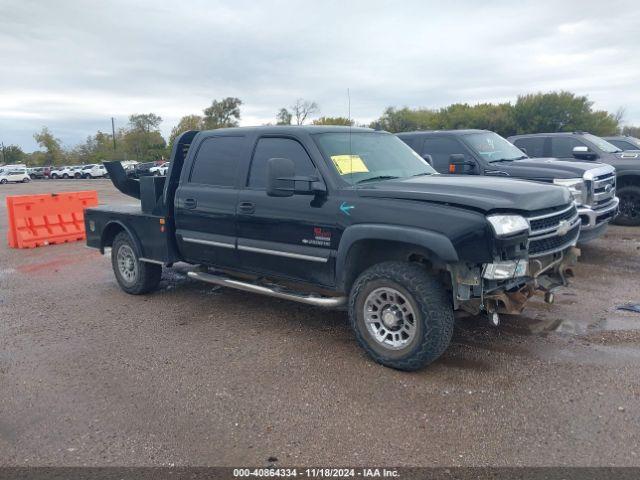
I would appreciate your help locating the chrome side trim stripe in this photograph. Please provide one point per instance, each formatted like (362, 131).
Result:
(208, 242)
(280, 253)
(151, 260)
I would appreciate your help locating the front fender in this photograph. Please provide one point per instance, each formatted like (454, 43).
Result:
(435, 242)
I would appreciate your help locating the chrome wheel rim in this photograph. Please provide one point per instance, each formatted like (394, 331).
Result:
(390, 318)
(127, 264)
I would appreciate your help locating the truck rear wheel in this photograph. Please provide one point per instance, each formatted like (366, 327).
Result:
(629, 206)
(401, 315)
(133, 276)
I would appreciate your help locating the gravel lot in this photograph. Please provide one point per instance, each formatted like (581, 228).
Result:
(196, 375)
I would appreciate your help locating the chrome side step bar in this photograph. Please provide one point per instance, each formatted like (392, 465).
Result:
(328, 302)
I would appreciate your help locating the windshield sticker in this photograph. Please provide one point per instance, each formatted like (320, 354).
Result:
(347, 164)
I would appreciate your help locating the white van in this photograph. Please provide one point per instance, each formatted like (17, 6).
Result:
(14, 173)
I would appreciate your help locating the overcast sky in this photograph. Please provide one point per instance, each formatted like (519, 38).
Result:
(73, 65)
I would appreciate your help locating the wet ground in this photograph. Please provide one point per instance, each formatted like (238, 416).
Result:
(198, 375)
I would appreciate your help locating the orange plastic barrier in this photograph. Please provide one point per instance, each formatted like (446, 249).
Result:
(36, 220)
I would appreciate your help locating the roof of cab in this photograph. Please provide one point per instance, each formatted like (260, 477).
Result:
(446, 132)
(293, 129)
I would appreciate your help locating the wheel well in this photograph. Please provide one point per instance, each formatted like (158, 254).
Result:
(366, 253)
(110, 233)
(628, 180)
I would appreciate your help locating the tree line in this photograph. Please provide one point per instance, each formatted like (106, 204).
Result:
(142, 140)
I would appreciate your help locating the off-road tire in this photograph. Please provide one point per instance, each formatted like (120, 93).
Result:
(628, 193)
(430, 302)
(148, 274)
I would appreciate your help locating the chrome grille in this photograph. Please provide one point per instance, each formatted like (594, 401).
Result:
(551, 232)
(601, 187)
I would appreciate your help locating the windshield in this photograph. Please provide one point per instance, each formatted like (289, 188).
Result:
(492, 147)
(361, 157)
(601, 144)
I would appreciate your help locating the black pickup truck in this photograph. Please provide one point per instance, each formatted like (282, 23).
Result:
(339, 216)
(482, 152)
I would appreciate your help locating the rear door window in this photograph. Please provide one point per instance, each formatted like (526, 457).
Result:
(217, 161)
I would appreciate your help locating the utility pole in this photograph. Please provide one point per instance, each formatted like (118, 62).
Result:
(113, 132)
(4, 154)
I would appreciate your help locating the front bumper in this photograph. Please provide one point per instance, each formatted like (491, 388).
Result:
(594, 218)
(475, 294)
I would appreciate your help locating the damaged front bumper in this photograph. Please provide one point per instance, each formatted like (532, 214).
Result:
(505, 287)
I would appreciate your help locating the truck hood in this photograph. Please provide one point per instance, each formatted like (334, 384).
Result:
(478, 193)
(545, 169)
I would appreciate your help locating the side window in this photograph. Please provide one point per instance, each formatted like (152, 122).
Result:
(440, 148)
(562, 147)
(216, 162)
(533, 145)
(277, 148)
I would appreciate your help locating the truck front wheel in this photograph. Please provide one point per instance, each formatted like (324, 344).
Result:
(133, 276)
(401, 315)
(629, 205)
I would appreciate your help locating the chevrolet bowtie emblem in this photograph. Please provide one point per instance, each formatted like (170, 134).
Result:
(563, 228)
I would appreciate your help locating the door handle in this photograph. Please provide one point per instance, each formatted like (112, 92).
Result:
(247, 207)
(190, 203)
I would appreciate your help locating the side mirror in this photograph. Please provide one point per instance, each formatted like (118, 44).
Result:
(282, 181)
(523, 150)
(584, 153)
(428, 158)
(458, 164)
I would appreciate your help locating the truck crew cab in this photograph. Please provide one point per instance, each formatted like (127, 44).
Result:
(482, 152)
(585, 146)
(339, 216)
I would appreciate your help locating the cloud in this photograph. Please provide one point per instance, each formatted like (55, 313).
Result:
(72, 65)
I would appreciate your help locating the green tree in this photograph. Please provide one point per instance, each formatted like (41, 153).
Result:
(142, 139)
(53, 149)
(561, 112)
(333, 121)
(487, 116)
(405, 120)
(283, 117)
(223, 113)
(186, 123)
(12, 154)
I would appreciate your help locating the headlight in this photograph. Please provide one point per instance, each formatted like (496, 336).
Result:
(505, 270)
(505, 225)
(576, 186)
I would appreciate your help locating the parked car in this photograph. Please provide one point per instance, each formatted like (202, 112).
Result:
(36, 172)
(337, 216)
(98, 171)
(584, 146)
(14, 173)
(159, 170)
(482, 152)
(143, 169)
(85, 171)
(624, 142)
(62, 172)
